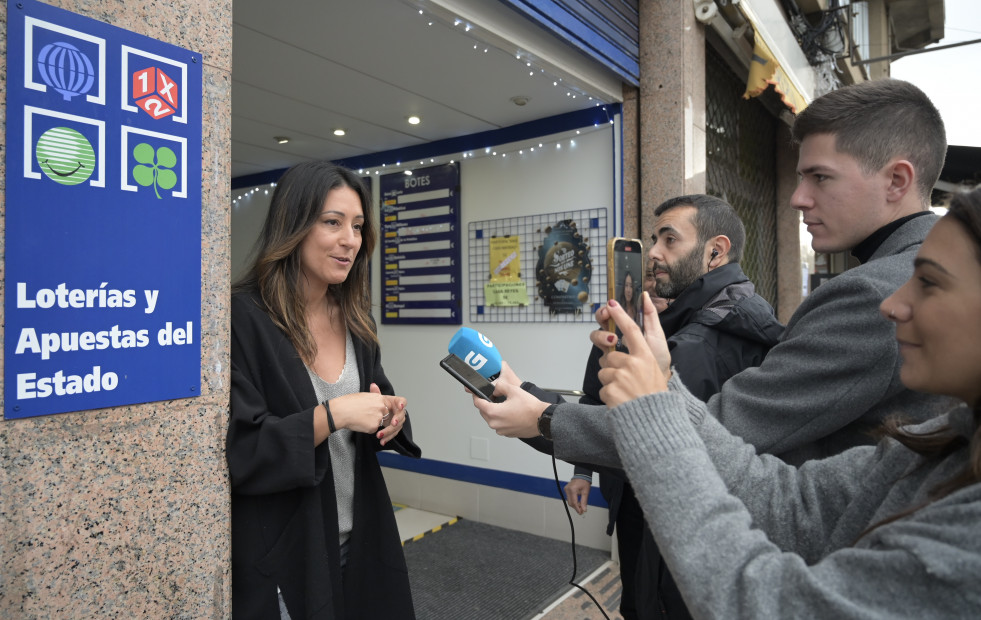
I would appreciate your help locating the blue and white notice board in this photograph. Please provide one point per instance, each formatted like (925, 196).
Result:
(420, 228)
(102, 288)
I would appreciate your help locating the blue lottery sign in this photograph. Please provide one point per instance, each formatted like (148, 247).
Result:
(102, 287)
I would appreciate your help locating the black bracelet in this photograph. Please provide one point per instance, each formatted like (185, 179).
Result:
(330, 418)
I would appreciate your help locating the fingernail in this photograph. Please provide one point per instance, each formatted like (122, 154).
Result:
(611, 338)
(613, 303)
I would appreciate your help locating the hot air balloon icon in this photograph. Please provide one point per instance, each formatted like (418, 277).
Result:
(66, 69)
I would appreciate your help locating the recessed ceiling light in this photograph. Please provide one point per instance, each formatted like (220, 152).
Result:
(281, 139)
(339, 132)
(414, 120)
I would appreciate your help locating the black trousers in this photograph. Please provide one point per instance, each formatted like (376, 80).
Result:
(648, 589)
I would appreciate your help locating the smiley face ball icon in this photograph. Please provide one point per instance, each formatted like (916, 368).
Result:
(65, 156)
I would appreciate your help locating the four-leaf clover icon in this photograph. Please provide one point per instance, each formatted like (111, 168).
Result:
(155, 167)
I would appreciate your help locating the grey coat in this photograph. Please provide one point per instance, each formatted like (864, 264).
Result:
(833, 376)
(749, 536)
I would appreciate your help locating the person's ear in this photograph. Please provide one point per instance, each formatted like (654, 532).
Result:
(902, 179)
(718, 251)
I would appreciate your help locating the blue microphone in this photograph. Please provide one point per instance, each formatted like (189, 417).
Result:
(477, 351)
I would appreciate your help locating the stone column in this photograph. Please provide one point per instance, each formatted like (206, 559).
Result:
(124, 512)
(631, 159)
(671, 106)
(790, 276)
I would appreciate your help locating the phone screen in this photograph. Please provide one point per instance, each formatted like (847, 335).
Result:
(625, 276)
(470, 378)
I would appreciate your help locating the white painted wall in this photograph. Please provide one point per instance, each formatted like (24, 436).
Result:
(248, 214)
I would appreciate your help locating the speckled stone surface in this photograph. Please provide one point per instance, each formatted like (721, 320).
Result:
(789, 273)
(124, 512)
(671, 110)
(631, 171)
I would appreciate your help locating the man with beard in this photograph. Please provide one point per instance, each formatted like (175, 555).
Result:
(716, 326)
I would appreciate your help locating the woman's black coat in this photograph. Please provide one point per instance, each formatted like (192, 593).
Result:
(284, 512)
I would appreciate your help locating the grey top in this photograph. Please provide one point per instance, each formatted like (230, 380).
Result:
(341, 442)
(833, 376)
(749, 536)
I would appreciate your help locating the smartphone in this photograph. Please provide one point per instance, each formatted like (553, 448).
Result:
(625, 276)
(470, 378)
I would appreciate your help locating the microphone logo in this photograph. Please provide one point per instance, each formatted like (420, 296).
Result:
(476, 351)
(476, 360)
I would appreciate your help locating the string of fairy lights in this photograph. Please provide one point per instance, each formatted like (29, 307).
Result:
(551, 146)
(479, 37)
(554, 145)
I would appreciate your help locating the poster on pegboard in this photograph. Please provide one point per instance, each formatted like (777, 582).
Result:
(540, 268)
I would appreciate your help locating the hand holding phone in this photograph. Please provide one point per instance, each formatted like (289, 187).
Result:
(470, 378)
(625, 276)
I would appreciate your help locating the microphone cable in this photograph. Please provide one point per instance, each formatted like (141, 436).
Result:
(572, 530)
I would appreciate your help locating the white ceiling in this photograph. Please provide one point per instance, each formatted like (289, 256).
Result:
(302, 68)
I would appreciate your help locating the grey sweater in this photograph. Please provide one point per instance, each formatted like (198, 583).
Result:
(749, 536)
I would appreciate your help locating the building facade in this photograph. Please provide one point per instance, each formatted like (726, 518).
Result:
(125, 511)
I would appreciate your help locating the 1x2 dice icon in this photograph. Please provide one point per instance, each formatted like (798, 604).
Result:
(155, 92)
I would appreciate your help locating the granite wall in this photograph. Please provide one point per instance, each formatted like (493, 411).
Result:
(124, 512)
(671, 106)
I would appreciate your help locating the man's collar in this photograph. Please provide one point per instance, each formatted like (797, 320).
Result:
(698, 293)
(864, 250)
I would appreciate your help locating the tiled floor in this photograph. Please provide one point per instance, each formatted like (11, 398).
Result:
(414, 523)
(603, 584)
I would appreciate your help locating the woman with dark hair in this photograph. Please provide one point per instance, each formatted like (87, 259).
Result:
(313, 529)
(884, 531)
(629, 296)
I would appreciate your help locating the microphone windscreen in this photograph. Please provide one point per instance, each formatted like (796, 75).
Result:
(478, 351)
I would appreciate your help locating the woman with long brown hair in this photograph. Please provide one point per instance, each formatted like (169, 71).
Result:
(629, 296)
(313, 529)
(885, 531)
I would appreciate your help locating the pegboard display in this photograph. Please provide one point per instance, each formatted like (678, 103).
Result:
(562, 265)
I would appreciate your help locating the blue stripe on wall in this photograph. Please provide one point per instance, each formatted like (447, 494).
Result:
(473, 142)
(487, 477)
